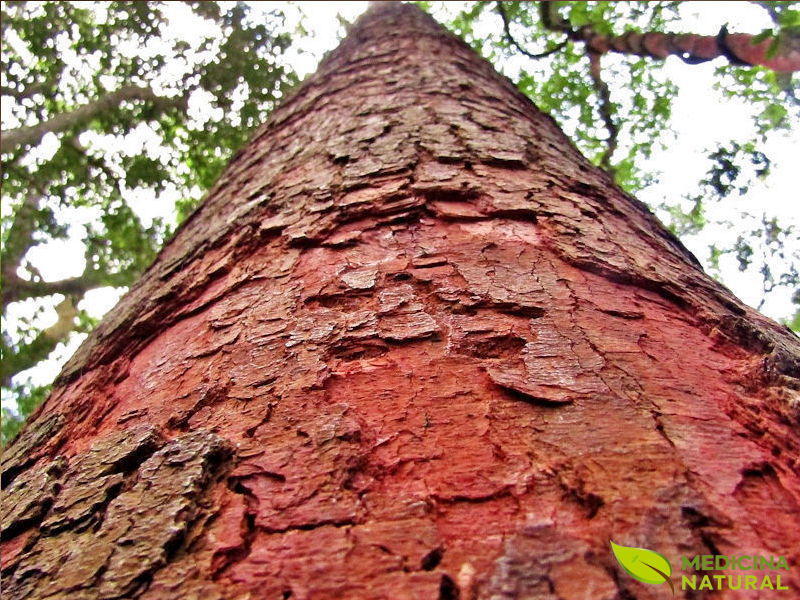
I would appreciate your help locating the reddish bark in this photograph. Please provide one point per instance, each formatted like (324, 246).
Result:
(739, 48)
(782, 55)
(412, 345)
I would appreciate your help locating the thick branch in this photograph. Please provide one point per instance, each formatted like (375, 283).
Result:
(15, 288)
(20, 240)
(738, 48)
(20, 234)
(28, 91)
(23, 136)
(601, 87)
(42, 345)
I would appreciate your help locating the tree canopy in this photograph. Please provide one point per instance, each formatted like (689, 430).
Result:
(111, 106)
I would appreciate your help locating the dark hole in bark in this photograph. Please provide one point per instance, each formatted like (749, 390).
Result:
(593, 503)
(355, 351)
(517, 310)
(521, 214)
(497, 346)
(236, 486)
(695, 518)
(432, 559)
(129, 463)
(445, 194)
(762, 471)
(448, 590)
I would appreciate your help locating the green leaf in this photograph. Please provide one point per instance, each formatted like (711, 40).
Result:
(643, 565)
(757, 39)
(775, 114)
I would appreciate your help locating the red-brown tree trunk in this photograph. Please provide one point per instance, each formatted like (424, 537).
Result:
(412, 345)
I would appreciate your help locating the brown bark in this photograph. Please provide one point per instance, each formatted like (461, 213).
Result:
(412, 345)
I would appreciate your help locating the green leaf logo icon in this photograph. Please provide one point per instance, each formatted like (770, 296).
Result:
(644, 565)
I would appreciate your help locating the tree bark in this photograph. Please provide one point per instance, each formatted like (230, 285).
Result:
(412, 345)
(737, 48)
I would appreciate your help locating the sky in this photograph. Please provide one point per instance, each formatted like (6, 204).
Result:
(701, 117)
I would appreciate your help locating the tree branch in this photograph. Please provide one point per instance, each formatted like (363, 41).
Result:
(28, 91)
(20, 240)
(41, 346)
(548, 13)
(604, 94)
(20, 234)
(516, 44)
(15, 288)
(738, 48)
(23, 136)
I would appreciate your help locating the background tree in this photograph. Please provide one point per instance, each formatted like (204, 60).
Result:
(105, 107)
(173, 109)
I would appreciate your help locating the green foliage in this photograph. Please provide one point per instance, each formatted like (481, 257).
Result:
(767, 247)
(794, 322)
(131, 106)
(725, 176)
(787, 25)
(687, 222)
(29, 398)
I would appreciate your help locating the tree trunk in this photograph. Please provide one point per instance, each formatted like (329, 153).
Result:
(412, 345)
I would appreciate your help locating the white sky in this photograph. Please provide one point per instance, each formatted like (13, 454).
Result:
(700, 116)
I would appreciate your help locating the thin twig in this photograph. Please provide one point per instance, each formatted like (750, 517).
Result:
(516, 44)
(604, 94)
(548, 13)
